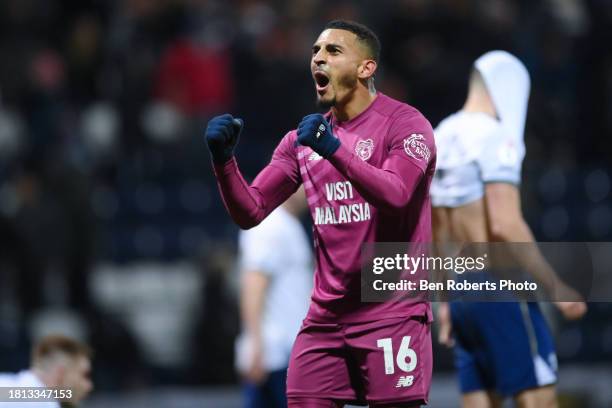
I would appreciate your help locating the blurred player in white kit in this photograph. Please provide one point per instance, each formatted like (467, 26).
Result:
(502, 349)
(276, 281)
(58, 362)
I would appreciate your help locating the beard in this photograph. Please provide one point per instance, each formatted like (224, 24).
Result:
(326, 103)
(347, 82)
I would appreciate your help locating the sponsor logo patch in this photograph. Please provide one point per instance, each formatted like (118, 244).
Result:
(415, 147)
(507, 154)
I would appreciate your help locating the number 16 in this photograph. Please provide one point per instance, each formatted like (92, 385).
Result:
(406, 358)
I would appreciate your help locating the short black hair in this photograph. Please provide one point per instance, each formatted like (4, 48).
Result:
(363, 33)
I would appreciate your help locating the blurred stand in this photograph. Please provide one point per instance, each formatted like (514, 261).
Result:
(110, 223)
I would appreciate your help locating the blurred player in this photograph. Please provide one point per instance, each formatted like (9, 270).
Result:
(366, 166)
(502, 348)
(57, 361)
(276, 281)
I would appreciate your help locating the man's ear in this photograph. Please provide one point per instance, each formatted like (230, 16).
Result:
(367, 69)
(58, 374)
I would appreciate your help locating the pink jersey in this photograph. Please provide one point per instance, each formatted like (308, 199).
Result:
(375, 188)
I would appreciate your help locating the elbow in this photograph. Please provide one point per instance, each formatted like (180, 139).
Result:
(246, 218)
(248, 226)
(497, 232)
(249, 220)
(501, 230)
(393, 207)
(396, 202)
(247, 223)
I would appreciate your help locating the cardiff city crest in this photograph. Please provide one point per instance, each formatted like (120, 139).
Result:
(364, 149)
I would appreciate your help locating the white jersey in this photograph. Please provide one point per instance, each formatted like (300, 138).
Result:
(279, 248)
(24, 378)
(473, 149)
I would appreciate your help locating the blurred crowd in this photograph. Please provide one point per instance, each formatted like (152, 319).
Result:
(102, 164)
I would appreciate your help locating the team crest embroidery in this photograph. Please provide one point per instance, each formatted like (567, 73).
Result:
(364, 149)
(508, 154)
(415, 147)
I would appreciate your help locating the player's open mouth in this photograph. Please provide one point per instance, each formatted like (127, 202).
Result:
(321, 81)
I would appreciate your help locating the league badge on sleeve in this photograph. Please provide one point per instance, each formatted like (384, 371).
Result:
(364, 149)
(415, 147)
(507, 154)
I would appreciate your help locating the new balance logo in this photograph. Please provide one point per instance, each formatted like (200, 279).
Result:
(405, 381)
(314, 156)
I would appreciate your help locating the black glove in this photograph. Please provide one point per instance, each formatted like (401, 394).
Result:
(221, 136)
(314, 131)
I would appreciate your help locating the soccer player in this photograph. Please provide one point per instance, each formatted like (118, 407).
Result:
(502, 349)
(276, 281)
(57, 361)
(366, 166)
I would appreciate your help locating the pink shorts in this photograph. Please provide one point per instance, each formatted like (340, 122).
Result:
(381, 362)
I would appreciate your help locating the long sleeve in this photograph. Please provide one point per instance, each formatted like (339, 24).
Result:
(411, 153)
(248, 204)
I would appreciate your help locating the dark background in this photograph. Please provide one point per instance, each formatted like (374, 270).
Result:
(111, 228)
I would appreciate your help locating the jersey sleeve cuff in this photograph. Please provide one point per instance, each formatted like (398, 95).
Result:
(226, 168)
(342, 157)
(503, 180)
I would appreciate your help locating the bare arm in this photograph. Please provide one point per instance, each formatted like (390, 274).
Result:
(440, 225)
(506, 224)
(441, 232)
(252, 301)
